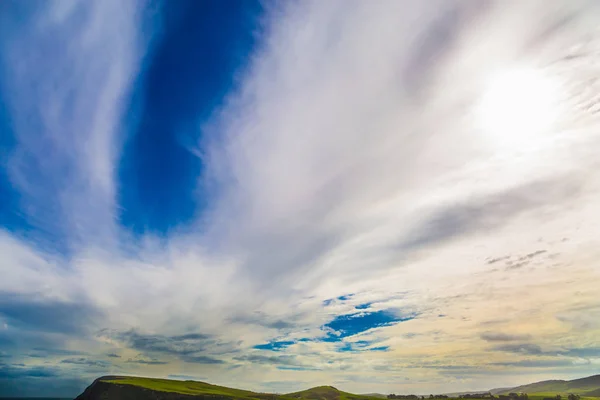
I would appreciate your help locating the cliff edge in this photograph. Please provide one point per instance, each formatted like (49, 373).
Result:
(109, 388)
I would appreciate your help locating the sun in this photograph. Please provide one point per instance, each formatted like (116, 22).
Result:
(518, 107)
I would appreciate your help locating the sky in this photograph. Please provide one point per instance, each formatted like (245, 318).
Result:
(391, 196)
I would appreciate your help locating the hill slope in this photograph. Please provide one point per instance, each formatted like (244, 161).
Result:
(130, 388)
(134, 388)
(589, 387)
(328, 393)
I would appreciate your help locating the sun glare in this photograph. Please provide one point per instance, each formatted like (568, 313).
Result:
(518, 107)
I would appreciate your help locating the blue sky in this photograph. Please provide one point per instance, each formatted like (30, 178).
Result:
(384, 197)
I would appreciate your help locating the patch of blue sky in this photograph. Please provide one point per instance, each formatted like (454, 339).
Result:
(275, 345)
(186, 77)
(380, 348)
(347, 325)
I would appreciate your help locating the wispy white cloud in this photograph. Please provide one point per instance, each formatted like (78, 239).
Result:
(68, 72)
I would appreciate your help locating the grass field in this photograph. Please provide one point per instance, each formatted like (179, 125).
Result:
(189, 387)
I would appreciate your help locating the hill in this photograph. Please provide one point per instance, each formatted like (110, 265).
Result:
(328, 393)
(130, 388)
(586, 387)
(137, 388)
(134, 388)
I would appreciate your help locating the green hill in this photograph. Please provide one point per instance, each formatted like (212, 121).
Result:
(195, 388)
(585, 387)
(190, 388)
(137, 388)
(328, 393)
(127, 387)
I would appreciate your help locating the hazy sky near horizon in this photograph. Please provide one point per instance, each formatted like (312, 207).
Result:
(383, 196)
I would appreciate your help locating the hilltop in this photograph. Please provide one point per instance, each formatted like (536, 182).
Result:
(328, 393)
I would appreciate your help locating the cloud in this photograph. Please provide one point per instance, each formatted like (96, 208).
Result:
(536, 363)
(147, 362)
(583, 352)
(533, 349)
(65, 116)
(275, 360)
(177, 344)
(582, 318)
(58, 352)
(524, 348)
(490, 212)
(289, 368)
(503, 337)
(46, 315)
(201, 359)
(263, 320)
(87, 362)
(9, 372)
(184, 377)
(190, 347)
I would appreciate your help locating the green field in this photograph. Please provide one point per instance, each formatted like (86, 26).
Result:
(188, 387)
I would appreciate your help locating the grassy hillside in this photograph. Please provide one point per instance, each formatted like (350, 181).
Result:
(189, 387)
(585, 387)
(328, 393)
(202, 388)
